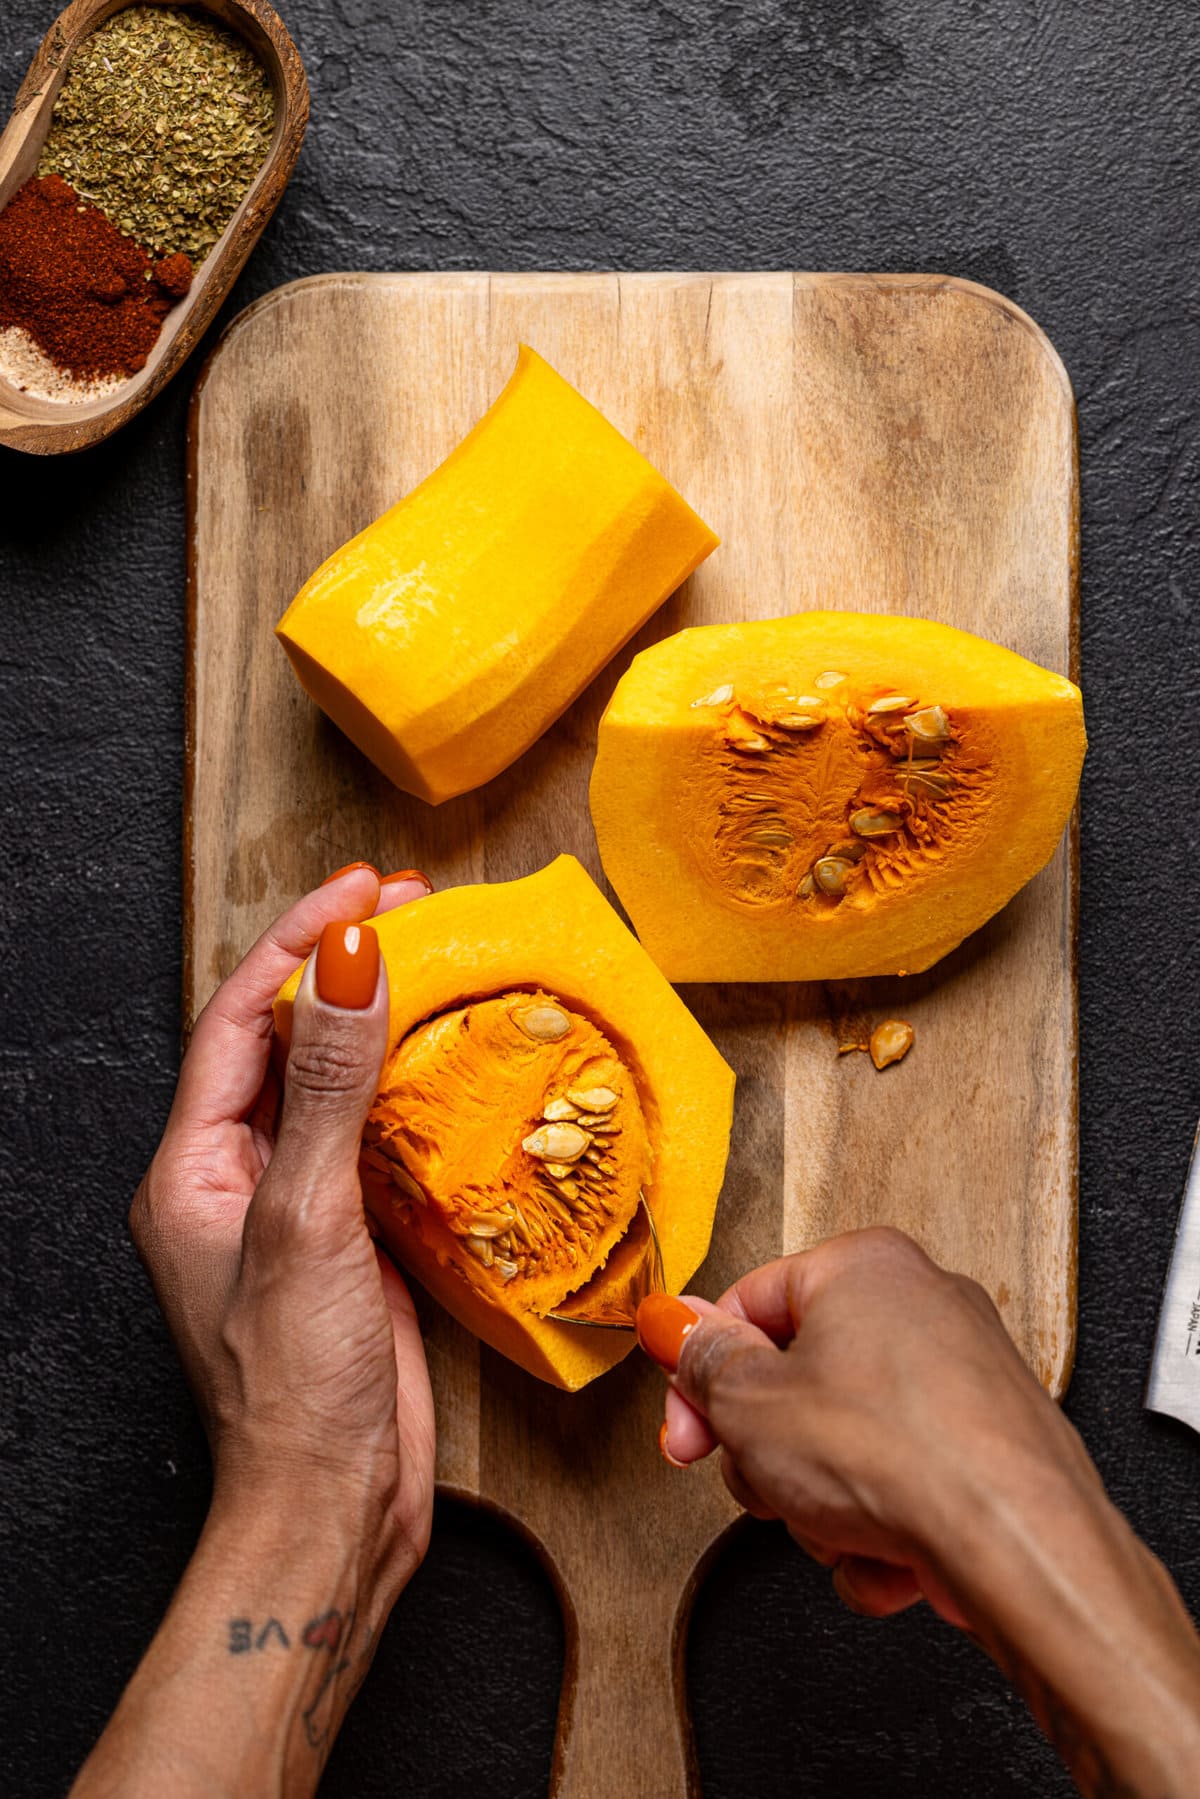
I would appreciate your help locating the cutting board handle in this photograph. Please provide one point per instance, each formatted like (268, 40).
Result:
(623, 1725)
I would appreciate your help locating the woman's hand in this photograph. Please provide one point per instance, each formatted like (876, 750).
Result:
(297, 1335)
(302, 1348)
(876, 1404)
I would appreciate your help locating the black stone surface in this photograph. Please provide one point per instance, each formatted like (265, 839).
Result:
(1045, 147)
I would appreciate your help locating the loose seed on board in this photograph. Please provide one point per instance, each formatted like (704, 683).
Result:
(545, 1024)
(557, 1143)
(891, 1041)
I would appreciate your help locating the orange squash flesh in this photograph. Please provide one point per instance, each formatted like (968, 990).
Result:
(451, 633)
(828, 796)
(473, 974)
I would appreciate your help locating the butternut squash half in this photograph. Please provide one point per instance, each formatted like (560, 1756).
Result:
(542, 1078)
(830, 795)
(446, 637)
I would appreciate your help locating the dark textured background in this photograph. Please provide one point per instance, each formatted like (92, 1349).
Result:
(1043, 146)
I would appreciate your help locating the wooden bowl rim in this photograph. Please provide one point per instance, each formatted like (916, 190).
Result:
(29, 422)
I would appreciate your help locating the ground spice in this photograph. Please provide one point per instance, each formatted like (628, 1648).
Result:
(163, 121)
(90, 298)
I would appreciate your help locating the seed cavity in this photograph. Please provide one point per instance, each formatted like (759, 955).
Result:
(489, 1127)
(792, 763)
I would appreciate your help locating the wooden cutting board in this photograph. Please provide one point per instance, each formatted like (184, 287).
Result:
(882, 442)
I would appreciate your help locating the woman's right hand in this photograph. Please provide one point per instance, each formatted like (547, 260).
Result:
(876, 1404)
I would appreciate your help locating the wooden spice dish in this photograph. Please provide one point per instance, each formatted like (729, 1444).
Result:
(49, 427)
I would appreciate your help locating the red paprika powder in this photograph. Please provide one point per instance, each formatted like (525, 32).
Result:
(90, 298)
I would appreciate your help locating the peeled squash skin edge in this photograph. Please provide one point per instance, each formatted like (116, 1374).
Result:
(554, 932)
(661, 779)
(446, 637)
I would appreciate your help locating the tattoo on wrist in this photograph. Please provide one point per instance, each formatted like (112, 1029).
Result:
(328, 1639)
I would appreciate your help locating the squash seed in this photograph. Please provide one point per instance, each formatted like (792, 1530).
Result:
(891, 1042)
(872, 821)
(559, 1171)
(929, 725)
(850, 850)
(891, 702)
(831, 874)
(831, 678)
(592, 1099)
(545, 1024)
(806, 888)
(557, 1143)
(720, 696)
(560, 1111)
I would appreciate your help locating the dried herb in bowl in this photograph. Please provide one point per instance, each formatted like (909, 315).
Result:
(163, 121)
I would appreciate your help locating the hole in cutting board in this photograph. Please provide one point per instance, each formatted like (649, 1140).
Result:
(463, 1694)
(824, 1702)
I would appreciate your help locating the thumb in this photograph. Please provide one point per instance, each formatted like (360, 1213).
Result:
(339, 1038)
(706, 1351)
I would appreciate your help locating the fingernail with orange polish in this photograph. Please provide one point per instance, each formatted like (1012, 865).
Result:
(662, 1325)
(407, 874)
(349, 870)
(665, 1452)
(347, 966)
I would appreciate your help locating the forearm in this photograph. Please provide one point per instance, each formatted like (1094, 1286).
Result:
(246, 1683)
(1089, 1627)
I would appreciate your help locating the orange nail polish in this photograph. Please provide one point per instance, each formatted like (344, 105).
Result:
(662, 1325)
(665, 1452)
(349, 869)
(347, 965)
(407, 874)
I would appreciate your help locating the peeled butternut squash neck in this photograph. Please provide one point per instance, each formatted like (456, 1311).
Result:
(824, 792)
(516, 1144)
